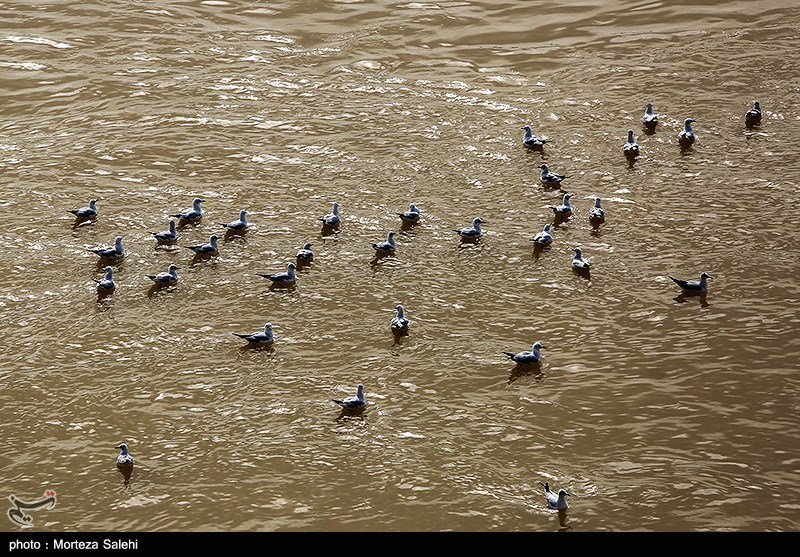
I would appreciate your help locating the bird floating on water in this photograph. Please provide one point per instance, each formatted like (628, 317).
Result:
(631, 148)
(550, 178)
(693, 286)
(411, 216)
(209, 248)
(686, 138)
(124, 462)
(238, 225)
(89, 212)
(107, 282)
(558, 502)
(753, 116)
(563, 210)
(545, 237)
(332, 219)
(578, 262)
(193, 214)
(353, 402)
(650, 120)
(472, 233)
(597, 214)
(168, 278)
(532, 141)
(387, 247)
(400, 322)
(114, 252)
(527, 357)
(167, 236)
(259, 337)
(283, 279)
(305, 255)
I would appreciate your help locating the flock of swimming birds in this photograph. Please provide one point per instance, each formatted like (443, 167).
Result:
(399, 324)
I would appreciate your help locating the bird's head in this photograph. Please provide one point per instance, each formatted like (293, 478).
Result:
(538, 346)
(705, 275)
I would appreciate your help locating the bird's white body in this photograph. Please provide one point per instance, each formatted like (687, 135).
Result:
(650, 120)
(237, 225)
(289, 277)
(472, 233)
(305, 254)
(527, 357)
(550, 178)
(209, 248)
(565, 209)
(107, 282)
(597, 212)
(532, 141)
(332, 218)
(578, 262)
(86, 212)
(545, 237)
(260, 337)
(167, 236)
(353, 402)
(389, 246)
(195, 213)
(631, 148)
(686, 138)
(411, 216)
(170, 277)
(400, 322)
(114, 252)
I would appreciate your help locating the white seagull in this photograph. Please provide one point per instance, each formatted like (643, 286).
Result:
(170, 277)
(686, 137)
(259, 337)
(578, 262)
(125, 459)
(353, 402)
(554, 501)
(86, 212)
(206, 249)
(332, 218)
(563, 210)
(287, 278)
(237, 225)
(693, 286)
(532, 141)
(472, 233)
(631, 148)
(387, 247)
(411, 216)
(305, 255)
(650, 120)
(526, 357)
(753, 116)
(167, 236)
(400, 323)
(545, 237)
(597, 213)
(550, 178)
(107, 282)
(195, 213)
(115, 252)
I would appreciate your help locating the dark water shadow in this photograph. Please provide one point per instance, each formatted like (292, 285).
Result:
(126, 470)
(239, 236)
(701, 297)
(583, 272)
(562, 521)
(283, 287)
(539, 249)
(116, 262)
(524, 370)
(157, 288)
(351, 413)
(329, 230)
(559, 219)
(81, 222)
(399, 335)
(188, 223)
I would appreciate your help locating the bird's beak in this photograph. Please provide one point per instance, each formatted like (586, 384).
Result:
(543, 346)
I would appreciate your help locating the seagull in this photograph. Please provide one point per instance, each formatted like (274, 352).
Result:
(400, 323)
(751, 118)
(532, 357)
(167, 236)
(305, 255)
(387, 247)
(237, 225)
(195, 213)
(206, 249)
(353, 402)
(563, 210)
(631, 148)
(578, 262)
(693, 286)
(550, 178)
(170, 277)
(90, 212)
(411, 216)
(124, 460)
(265, 337)
(545, 237)
(332, 218)
(115, 252)
(597, 213)
(287, 278)
(472, 233)
(686, 137)
(554, 501)
(107, 282)
(534, 142)
(650, 120)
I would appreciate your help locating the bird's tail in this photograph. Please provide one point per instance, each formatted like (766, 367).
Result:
(339, 402)
(510, 355)
(74, 212)
(240, 335)
(546, 486)
(97, 281)
(175, 216)
(222, 224)
(264, 275)
(679, 282)
(151, 277)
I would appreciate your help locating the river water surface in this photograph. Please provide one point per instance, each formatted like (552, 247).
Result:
(656, 414)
